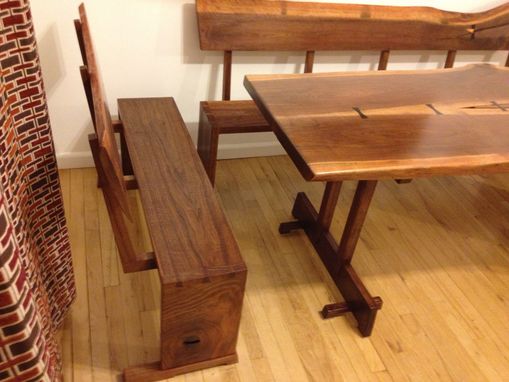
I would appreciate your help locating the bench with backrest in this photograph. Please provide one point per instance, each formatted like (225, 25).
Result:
(200, 268)
(266, 25)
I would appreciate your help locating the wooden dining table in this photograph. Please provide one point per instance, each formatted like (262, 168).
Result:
(371, 126)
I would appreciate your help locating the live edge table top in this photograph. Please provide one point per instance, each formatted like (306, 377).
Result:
(394, 124)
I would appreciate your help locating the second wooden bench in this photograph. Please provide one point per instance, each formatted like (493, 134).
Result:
(201, 271)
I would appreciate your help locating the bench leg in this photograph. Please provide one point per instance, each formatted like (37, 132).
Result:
(337, 258)
(208, 141)
(199, 327)
(127, 167)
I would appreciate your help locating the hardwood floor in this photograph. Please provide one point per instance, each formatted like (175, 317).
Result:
(436, 250)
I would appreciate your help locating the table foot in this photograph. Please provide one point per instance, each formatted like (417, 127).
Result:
(335, 310)
(288, 227)
(364, 315)
(358, 301)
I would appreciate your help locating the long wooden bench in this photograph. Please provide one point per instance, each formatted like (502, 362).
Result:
(267, 25)
(201, 271)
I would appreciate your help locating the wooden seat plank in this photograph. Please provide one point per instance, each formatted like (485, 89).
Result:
(190, 235)
(235, 116)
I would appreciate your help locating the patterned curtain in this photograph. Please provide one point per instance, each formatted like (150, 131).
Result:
(36, 277)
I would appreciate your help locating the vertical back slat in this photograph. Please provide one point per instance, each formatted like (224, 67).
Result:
(451, 57)
(79, 34)
(227, 75)
(384, 59)
(507, 61)
(108, 151)
(85, 78)
(310, 61)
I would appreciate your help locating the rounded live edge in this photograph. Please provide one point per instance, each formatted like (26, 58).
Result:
(380, 173)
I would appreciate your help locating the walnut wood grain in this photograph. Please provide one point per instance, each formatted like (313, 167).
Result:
(81, 43)
(227, 75)
(131, 259)
(355, 221)
(87, 85)
(190, 235)
(108, 150)
(329, 201)
(85, 79)
(384, 59)
(310, 61)
(208, 142)
(286, 25)
(451, 57)
(200, 320)
(402, 139)
(225, 117)
(235, 116)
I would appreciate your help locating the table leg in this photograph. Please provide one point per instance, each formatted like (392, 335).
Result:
(329, 202)
(127, 167)
(337, 258)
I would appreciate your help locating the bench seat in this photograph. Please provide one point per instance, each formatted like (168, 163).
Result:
(230, 117)
(190, 235)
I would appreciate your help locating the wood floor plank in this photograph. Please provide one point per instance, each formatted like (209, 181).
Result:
(116, 329)
(109, 254)
(65, 333)
(151, 323)
(82, 354)
(101, 368)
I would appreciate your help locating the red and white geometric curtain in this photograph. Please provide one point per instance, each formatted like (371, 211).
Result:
(36, 276)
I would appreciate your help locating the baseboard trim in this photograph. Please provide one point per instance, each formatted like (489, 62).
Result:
(226, 151)
(249, 150)
(75, 160)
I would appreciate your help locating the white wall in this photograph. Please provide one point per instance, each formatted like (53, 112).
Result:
(150, 48)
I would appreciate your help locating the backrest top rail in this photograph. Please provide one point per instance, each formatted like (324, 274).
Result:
(285, 25)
